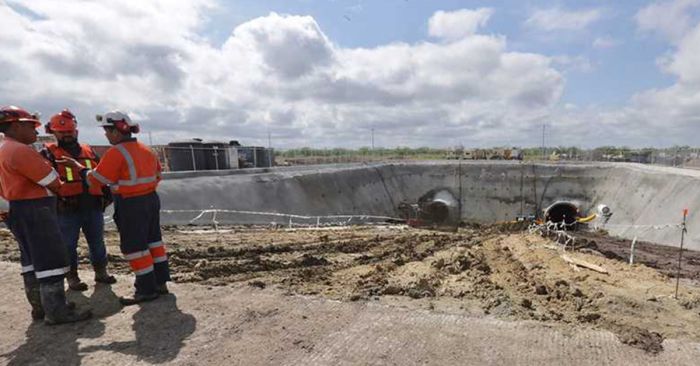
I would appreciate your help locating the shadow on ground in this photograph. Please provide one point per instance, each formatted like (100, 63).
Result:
(160, 329)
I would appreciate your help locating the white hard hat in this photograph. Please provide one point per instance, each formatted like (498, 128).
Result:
(119, 120)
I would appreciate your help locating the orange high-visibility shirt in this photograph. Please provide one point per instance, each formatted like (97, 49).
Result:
(130, 168)
(24, 173)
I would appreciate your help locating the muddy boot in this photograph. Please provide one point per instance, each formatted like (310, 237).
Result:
(137, 299)
(31, 289)
(162, 289)
(74, 282)
(101, 274)
(57, 311)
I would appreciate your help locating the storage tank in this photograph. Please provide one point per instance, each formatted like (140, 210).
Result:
(186, 155)
(216, 155)
(252, 156)
(234, 162)
(268, 158)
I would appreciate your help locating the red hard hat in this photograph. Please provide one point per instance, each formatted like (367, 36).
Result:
(13, 113)
(62, 122)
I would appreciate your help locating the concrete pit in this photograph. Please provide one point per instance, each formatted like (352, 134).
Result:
(647, 201)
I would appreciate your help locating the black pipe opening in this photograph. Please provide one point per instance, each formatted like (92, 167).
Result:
(436, 212)
(559, 212)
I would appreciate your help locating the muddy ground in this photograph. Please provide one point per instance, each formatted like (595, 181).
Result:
(493, 270)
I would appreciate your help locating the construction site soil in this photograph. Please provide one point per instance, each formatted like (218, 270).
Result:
(498, 270)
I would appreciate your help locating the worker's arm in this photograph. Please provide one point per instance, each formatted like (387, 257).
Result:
(33, 166)
(105, 173)
(54, 186)
(4, 215)
(71, 163)
(159, 168)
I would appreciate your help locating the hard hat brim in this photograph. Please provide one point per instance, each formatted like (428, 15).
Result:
(36, 122)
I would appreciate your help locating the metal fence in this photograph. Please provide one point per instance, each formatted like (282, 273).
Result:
(218, 157)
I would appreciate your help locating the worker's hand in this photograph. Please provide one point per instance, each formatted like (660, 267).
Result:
(4, 215)
(70, 162)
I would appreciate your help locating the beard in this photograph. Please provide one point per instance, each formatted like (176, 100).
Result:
(68, 140)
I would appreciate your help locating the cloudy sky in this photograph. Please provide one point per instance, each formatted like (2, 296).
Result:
(326, 73)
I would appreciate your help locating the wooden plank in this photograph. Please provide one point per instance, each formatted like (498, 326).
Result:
(584, 264)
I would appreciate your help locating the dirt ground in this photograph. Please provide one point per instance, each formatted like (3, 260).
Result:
(481, 271)
(661, 257)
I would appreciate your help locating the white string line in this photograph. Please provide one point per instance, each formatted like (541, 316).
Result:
(346, 219)
(304, 217)
(654, 227)
(549, 226)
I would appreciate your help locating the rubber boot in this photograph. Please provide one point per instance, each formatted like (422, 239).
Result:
(57, 311)
(162, 289)
(74, 282)
(138, 298)
(31, 289)
(101, 274)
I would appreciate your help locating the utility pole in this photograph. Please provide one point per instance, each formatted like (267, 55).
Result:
(150, 139)
(269, 148)
(680, 252)
(372, 151)
(544, 150)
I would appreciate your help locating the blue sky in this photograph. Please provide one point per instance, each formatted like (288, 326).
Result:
(616, 73)
(324, 73)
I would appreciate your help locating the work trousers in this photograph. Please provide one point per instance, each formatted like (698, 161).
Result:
(141, 242)
(34, 224)
(91, 222)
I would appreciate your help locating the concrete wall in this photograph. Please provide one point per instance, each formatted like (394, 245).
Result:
(640, 196)
(490, 191)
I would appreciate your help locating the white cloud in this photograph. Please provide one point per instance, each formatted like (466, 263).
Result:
(656, 117)
(684, 63)
(676, 109)
(458, 24)
(573, 63)
(282, 73)
(291, 46)
(277, 72)
(671, 19)
(560, 19)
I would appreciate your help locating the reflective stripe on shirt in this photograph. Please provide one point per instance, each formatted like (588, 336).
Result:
(133, 177)
(48, 179)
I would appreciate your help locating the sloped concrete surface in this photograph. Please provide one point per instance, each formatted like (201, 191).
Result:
(646, 200)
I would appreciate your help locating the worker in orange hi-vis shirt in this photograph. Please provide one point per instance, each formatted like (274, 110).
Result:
(29, 183)
(132, 171)
(79, 207)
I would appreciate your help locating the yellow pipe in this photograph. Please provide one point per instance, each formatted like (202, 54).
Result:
(586, 219)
